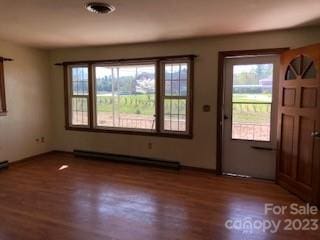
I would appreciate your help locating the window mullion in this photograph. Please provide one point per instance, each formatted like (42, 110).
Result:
(90, 95)
(79, 96)
(159, 99)
(113, 97)
(176, 97)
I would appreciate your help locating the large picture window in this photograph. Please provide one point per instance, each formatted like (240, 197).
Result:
(125, 96)
(145, 96)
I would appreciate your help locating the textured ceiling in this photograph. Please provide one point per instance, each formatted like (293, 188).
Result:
(65, 23)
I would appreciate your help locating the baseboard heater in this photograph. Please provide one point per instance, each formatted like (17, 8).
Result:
(4, 165)
(128, 159)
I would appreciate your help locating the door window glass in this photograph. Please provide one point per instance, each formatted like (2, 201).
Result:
(251, 102)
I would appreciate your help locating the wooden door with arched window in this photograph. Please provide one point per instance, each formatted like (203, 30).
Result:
(298, 165)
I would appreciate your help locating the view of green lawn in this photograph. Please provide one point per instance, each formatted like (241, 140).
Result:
(138, 104)
(252, 97)
(138, 111)
(244, 108)
(252, 108)
(143, 104)
(251, 113)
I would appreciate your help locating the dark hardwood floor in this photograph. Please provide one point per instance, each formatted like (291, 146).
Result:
(57, 196)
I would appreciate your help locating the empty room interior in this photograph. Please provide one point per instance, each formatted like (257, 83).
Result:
(159, 120)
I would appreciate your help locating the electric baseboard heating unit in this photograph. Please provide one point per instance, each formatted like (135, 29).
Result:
(4, 165)
(128, 159)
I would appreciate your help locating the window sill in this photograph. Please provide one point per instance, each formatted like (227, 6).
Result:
(141, 133)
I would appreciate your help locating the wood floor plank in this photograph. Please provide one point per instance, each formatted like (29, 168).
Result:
(57, 196)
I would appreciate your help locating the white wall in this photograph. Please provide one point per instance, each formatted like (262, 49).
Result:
(198, 152)
(34, 89)
(27, 84)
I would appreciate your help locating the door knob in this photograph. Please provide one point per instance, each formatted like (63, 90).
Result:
(315, 134)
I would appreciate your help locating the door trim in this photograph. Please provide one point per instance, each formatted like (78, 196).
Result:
(222, 55)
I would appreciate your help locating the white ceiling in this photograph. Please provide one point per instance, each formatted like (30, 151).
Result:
(64, 23)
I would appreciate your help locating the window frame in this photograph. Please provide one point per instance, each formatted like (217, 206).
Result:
(3, 104)
(163, 96)
(95, 113)
(71, 96)
(159, 117)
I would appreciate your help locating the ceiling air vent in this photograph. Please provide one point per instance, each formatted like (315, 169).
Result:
(100, 7)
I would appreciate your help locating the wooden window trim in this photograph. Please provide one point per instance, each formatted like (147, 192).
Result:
(155, 60)
(188, 97)
(3, 104)
(71, 96)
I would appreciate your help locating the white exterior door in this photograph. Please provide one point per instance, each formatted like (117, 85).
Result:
(250, 115)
